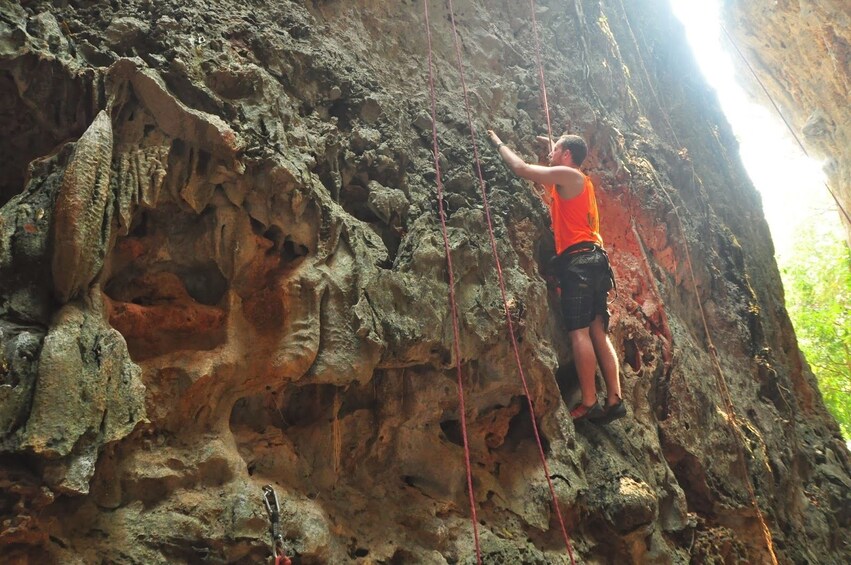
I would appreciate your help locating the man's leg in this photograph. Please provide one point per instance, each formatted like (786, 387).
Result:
(586, 364)
(605, 355)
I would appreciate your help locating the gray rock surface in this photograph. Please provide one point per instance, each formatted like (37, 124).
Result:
(257, 294)
(801, 54)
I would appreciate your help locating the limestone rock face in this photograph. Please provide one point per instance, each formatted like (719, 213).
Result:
(801, 52)
(222, 267)
(79, 237)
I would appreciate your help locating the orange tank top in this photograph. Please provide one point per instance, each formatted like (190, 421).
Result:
(575, 220)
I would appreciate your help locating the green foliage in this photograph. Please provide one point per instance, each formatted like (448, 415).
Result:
(817, 279)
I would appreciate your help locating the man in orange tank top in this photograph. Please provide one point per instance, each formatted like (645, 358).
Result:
(581, 266)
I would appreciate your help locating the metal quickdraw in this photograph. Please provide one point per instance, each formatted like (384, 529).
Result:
(273, 508)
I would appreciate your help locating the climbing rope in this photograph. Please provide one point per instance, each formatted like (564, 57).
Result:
(501, 279)
(782, 117)
(721, 381)
(541, 74)
(452, 301)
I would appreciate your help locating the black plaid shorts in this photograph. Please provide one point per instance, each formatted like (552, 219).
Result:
(585, 279)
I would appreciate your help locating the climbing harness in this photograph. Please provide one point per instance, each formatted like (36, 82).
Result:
(721, 381)
(500, 277)
(273, 508)
(452, 301)
(584, 252)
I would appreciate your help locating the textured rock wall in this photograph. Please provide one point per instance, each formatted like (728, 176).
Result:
(801, 52)
(221, 267)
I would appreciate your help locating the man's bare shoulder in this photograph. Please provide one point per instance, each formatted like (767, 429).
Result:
(570, 182)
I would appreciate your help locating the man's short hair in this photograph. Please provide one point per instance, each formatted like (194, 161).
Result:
(576, 145)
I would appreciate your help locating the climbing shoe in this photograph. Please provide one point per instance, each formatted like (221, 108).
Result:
(582, 412)
(609, 414)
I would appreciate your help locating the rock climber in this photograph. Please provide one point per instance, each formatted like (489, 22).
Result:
(581, 266)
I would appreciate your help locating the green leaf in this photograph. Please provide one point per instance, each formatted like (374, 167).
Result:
(817, 281)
